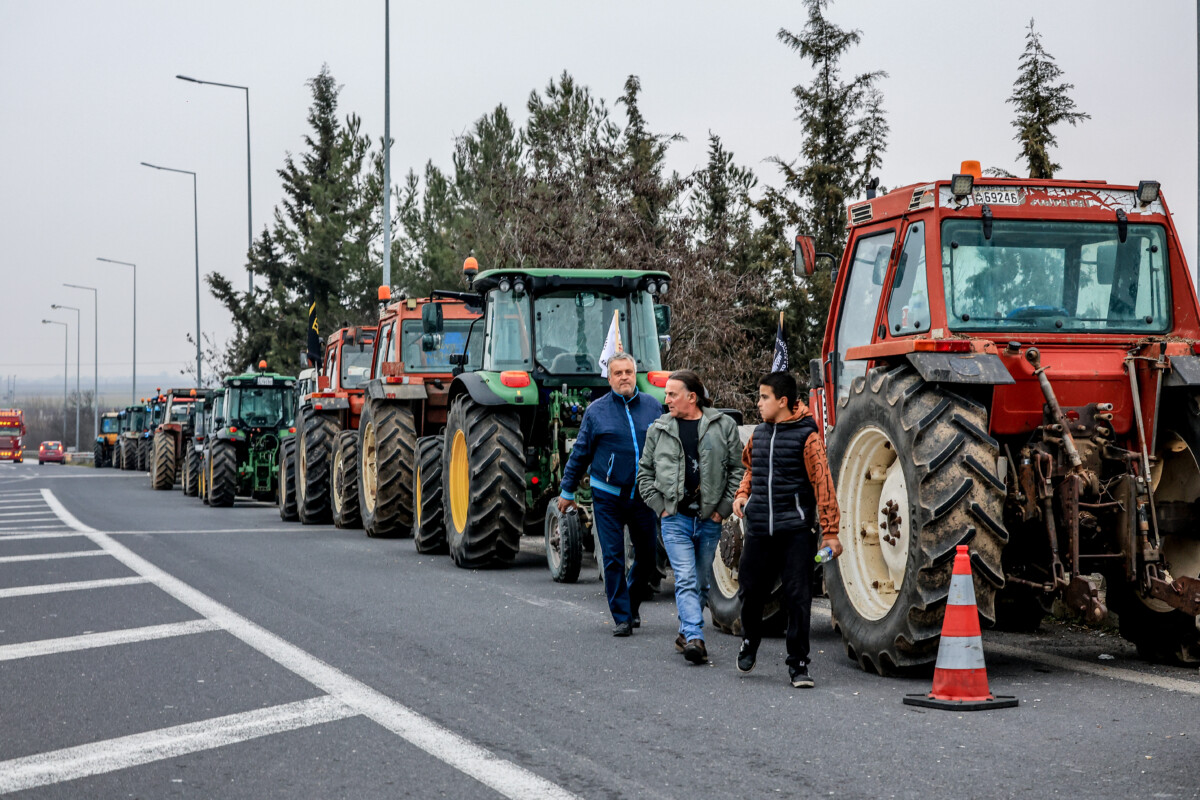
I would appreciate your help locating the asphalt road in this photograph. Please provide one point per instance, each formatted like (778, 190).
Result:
(173, 650)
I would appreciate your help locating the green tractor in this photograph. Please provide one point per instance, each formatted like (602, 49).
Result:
(254, 413)
(516, 402)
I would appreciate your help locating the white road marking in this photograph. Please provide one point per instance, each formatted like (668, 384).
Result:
(73, 586)
(293, 528)
(51, 556)
(8, 537)
(98, 758)
(39, 513)
(5, 505)
(1075, 664)
(88, 641)
(505, 777)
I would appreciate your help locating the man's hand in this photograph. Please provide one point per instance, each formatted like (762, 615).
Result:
(831, 540)
(739, 504)
(663, 515)
(564, 505)
(716, 517)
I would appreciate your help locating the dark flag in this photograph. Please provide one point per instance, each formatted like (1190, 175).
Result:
(314, 337)
(780, 362)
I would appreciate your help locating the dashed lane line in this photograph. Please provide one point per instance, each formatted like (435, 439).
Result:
(51, 556)
(73, 586)
(90, 641)
(505, 777)
(110, 755)
(9, 537)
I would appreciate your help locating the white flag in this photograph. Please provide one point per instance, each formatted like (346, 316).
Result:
(612, 343)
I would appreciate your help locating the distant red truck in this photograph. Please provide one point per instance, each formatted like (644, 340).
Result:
(12, 434)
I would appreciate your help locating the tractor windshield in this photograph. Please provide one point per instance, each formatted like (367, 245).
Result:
(1055, 276)
(569, 331)
(109, 425)
(452, 340)
(356, 364)
(260, 407)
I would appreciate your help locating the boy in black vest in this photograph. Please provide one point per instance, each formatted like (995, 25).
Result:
(786, 491)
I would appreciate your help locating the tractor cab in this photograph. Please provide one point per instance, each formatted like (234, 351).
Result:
(251, 415)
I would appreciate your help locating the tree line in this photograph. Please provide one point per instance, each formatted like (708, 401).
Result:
(584, 183)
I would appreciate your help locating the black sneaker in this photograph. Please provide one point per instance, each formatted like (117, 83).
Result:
(695, 651)
(637, 620)
(622, 629)
(747, 655)
(800, 677)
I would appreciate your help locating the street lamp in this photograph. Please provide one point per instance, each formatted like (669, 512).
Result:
(387, 143)
(196, 233)
(77, 358)
(133, 393)
(56, 322)
(96, 356)
(249, 214)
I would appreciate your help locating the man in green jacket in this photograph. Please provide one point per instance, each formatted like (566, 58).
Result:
(689, 474)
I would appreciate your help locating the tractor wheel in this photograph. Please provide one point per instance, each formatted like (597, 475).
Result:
(912, 462)
(564, 544)
(222, 473)
(142, 464)
(483, 483)
(98, 455)
(163, 470)
(724, 602)
(387, 446)
(191, 472)
(202, 483)
(286, 496)
(343, 494)
(314, 452)
(429, 519)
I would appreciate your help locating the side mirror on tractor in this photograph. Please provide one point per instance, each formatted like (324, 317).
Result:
(662, 319)
(431, 319)
(808, 260)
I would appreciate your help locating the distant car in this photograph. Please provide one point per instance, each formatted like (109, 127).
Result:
(50, 451)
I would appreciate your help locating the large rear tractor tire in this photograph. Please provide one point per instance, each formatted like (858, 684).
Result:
(724, 602)
(286, 497)
(98, 455)
(387, 446)
(916, 475)
(429, 517)
(191, 471)
(144, 455)
(483, 483)
(314, 455)
(124, 451)
(222, 474)
(343, 495)
(162, 472)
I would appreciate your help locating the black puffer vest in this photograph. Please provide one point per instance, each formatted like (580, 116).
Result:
(782, 500)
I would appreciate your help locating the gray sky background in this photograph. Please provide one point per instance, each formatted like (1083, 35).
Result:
(87, 91)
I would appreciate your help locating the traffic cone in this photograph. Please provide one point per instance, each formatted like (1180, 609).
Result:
(960, 677)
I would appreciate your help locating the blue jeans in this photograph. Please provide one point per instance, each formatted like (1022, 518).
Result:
(691, 545)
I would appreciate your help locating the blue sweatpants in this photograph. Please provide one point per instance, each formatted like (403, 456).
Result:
(613, 513)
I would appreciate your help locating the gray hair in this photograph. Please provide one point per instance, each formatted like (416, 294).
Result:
(623, 356)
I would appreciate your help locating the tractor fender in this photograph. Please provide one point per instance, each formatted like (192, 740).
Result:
(378, 390)
(1185, 371)
(473, 385)
(976, 368)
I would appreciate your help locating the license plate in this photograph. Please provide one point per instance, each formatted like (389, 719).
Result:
(265, 381)
(999, 197)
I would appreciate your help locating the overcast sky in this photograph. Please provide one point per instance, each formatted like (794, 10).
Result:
(88, 90)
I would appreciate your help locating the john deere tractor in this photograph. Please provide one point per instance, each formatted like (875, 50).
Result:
(517, 399)
(241, 444)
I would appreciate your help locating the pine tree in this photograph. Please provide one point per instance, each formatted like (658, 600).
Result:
(1042, 101)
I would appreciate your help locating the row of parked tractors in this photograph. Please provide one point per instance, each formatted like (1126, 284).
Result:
(1011, 365)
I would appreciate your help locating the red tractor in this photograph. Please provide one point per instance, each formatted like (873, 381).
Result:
(322, 417)
(172, 437)
(1012, 365)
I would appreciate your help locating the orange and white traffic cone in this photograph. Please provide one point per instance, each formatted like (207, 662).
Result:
(960, 678)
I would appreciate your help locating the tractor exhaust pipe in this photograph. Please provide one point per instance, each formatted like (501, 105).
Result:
(1034, 357)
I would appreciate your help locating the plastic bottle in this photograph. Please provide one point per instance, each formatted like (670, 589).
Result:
(824, 554)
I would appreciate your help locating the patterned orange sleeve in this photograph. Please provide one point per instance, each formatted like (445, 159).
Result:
(744, 488)
(817, 465)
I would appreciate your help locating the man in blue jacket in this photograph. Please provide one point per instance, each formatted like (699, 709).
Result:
(610, 442)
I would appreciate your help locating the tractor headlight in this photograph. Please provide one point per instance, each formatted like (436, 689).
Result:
(1147, 192)
(961, 185)
(652, 287)
(519, 286)
(504, 285)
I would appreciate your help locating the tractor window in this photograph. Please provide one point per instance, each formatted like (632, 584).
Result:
(179, 411)
(1055, 276)
(383, 350)
(572, 327)
(908, 307)
(266, 407)
(860, 302)
(109, 425)
(356, 364)
(644, 344)
(452, 340)
(508, 340)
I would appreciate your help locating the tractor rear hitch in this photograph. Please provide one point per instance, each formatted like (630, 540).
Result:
(1034, 357)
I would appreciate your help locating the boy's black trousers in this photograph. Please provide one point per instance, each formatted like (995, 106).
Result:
(786, 557)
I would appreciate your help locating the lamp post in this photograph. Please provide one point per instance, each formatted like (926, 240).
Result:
(65, 326)
(387, 143)
(196, 234)
(95, 357)
(133, 391)
(249, 214)
(77, 359)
